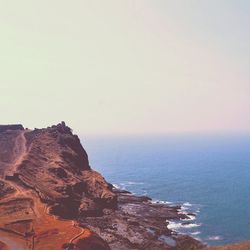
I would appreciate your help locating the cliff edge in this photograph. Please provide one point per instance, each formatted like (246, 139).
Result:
(45, 177)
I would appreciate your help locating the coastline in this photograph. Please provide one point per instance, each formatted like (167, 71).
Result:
(187, 226)
(140, 223)
(175, 238)
(79, 198)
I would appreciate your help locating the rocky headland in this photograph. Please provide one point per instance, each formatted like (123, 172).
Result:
(50, 198)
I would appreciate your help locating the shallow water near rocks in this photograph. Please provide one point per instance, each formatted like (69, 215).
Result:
(208, 174)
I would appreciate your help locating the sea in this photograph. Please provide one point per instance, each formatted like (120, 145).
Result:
(208, 175)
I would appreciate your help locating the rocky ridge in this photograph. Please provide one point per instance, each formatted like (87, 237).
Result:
(45, 178)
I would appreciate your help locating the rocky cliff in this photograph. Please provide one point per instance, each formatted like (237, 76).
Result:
(45, 172)
(50, 198)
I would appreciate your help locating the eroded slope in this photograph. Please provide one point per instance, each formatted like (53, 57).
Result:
(45, 172)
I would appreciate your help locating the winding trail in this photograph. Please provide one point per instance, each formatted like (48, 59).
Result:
(84, 232)
(20, 150)
(19, 153)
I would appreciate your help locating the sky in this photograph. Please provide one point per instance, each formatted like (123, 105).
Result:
(126, 66)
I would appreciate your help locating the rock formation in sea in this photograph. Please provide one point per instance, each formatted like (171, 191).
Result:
(50, 198)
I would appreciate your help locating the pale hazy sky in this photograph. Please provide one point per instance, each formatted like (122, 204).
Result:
(126, 66)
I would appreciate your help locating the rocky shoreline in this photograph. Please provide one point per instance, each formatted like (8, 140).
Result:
(138, 223)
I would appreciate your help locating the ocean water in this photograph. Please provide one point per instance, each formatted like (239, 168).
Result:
(207, 174)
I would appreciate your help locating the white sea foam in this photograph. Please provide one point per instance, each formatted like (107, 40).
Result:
(195, 233)
(116, 186)
(174, 225)
(187, 204)
(185, 207)
(191, 225)
(217, 237)
(197, 238)
(162, 202)
(177, 225)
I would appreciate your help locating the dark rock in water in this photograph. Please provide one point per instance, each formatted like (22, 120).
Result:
(137, 223)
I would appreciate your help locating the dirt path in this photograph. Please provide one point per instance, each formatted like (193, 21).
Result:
(19, 154)
(20, 151)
